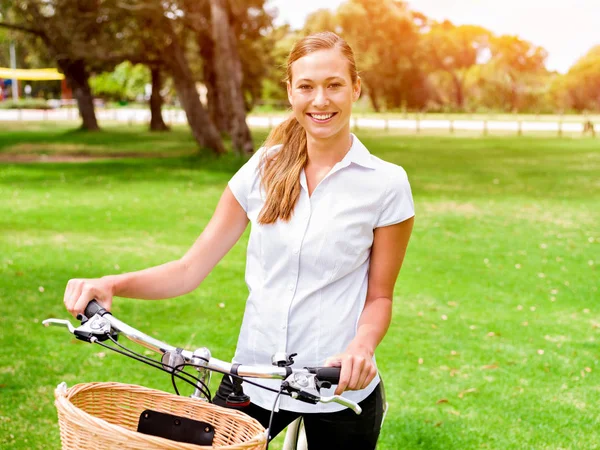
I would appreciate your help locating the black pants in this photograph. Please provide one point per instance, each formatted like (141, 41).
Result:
(324, 431)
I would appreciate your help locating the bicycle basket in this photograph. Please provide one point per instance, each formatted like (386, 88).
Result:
(97, 416)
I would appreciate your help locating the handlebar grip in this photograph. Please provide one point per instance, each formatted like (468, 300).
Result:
(94, 308)
(331, 374)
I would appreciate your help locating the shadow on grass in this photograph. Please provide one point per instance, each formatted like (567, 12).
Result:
(111, 140)
(201, 168)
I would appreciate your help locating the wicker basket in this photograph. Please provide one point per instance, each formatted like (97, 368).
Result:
(100, 416)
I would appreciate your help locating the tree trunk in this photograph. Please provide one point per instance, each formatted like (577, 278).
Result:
(77, 77)
(514, 94)
(203, 130)
(459, 91)
(217, 109)
(228, 70)
(373, 97)
(156, 120)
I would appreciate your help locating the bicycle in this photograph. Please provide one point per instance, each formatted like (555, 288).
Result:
(172, 428)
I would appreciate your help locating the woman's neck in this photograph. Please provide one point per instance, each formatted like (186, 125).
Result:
(328, 152)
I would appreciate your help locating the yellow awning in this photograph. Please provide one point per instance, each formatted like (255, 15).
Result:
(30, 74)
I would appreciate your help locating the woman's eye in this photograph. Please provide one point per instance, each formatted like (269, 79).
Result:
(335, 85)
(304, 86)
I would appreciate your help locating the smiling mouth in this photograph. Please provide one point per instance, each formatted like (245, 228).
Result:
(323, 117)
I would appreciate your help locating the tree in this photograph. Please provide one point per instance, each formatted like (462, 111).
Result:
(252, 22)
(321, 20)
(230, 40)
(385, 35)
(60, 25)
(128, 82)
(84, 36)
(454, 50)
(228, 71)
(280, 41)
(154, 34)
(516, 63)
(157, 122)
(582, 82)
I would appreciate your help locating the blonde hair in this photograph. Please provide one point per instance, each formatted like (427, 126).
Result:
(280, 170)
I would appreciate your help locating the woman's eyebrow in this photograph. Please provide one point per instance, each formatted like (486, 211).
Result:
(308, 80)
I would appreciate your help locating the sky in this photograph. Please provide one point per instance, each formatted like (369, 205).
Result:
(566, 29)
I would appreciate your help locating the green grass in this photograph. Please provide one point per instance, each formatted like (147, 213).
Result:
(61, 138)
(494, 116)
(496, 321)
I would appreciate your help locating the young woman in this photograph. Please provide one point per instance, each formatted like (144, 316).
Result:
(330, 228)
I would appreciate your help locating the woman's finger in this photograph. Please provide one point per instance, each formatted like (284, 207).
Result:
(68, 290)
(73, 296)
(87, 294)
(358, 365)
(333, 361)
(345, 374)
(364, 375)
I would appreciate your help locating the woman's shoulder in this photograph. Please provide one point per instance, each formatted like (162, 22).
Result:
(262, 153)
(270, 150)
(380, 167)
(259, 155)
(388, 170)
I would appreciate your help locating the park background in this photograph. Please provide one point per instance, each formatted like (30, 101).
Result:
(494, 338)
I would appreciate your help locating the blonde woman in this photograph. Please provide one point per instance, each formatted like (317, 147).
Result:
(330, 228)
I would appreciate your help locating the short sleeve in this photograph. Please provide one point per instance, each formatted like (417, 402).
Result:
(245, 178)
(397, 205)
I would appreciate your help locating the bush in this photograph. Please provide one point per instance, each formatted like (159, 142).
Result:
(25, 104)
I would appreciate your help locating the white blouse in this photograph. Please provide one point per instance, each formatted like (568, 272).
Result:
(307, 278)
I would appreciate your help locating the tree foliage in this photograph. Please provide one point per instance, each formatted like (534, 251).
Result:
(388, 54)
(126, 82)
(454, 50)
(406, 60)
(581, 85)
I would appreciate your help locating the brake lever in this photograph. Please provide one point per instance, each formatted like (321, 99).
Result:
(305, 388)
(59, 323)
(342, 401)
(95, 329)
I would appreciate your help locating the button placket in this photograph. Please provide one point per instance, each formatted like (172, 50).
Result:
(303, 211)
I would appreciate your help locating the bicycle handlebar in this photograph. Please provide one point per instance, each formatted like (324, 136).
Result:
(100, 323)
(94, 308)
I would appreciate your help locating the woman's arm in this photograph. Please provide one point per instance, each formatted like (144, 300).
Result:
(387, 254)
(173, 278)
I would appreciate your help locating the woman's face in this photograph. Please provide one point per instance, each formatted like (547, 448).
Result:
(321, 93)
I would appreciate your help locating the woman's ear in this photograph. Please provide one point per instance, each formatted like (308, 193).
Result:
(289, 91)
(356, 89)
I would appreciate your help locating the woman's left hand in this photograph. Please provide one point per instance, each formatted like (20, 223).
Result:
(358, 369)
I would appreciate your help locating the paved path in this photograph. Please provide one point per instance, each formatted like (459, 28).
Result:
(131, 115)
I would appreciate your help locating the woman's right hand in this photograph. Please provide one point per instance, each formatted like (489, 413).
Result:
(81, 291)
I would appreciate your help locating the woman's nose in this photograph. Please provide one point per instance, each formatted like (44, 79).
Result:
(321, 98)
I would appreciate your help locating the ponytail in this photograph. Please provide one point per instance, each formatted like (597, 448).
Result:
(280, 171)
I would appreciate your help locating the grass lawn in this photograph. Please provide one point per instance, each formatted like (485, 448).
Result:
(494, 341)
(493, 116)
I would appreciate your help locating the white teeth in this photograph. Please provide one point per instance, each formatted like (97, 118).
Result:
(322, 116)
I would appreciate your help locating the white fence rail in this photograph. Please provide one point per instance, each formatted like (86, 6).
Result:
(133, 115)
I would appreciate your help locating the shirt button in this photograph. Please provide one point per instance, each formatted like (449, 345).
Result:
(291, 287)
(296, 251)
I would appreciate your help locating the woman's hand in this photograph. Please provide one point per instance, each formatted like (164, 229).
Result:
(358, 369)
(80, 291)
